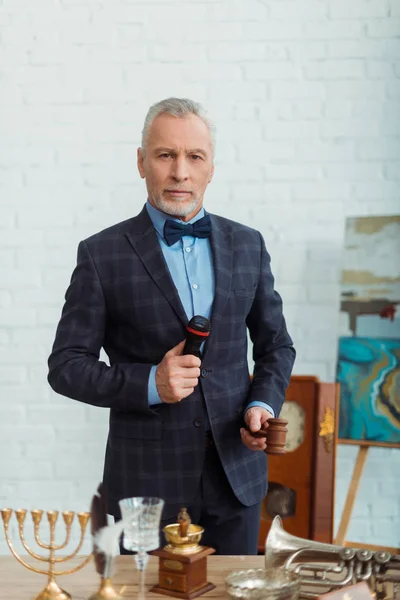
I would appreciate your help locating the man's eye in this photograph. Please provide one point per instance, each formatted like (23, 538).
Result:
(165, 155)
(196, 157)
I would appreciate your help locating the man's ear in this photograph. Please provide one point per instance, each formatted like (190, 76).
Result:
(140, 161)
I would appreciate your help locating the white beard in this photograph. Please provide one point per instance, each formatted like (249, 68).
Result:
(175, 208)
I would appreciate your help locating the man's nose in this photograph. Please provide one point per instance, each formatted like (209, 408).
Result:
(180, 170)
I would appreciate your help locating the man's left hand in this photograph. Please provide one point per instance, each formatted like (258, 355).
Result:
(256, 419)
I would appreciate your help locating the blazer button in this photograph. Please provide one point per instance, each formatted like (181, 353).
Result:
(204, 373)
(197, 422)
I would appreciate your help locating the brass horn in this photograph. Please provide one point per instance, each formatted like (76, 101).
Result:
(346, 566)
(280, 545)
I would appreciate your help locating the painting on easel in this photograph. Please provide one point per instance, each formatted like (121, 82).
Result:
(368, 368)
(369, 377)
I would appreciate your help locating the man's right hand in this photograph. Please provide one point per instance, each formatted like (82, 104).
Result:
(177, 375)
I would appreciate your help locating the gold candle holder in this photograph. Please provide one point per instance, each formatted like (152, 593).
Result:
(107, 591)
(52, 591)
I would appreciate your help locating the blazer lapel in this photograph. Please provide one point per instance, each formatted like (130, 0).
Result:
(144, 240)
(221, 246)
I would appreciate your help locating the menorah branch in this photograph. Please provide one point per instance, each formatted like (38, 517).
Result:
(37, 540)
(19, 559)
(75, 569)
(27, 548)
(68, 517)
(73, 554)
(66, 542)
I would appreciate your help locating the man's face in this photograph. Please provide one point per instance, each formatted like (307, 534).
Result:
(177, 164)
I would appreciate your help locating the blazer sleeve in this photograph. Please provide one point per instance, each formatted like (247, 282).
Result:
(74, 366)
(273, 350)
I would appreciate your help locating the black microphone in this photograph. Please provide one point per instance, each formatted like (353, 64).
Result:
(197, 331)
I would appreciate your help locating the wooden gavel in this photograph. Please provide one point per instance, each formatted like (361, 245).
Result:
(275, 436)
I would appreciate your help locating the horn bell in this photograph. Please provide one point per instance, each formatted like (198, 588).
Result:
(279, 545)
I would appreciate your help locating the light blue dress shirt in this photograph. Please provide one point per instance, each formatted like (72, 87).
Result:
(190, 263)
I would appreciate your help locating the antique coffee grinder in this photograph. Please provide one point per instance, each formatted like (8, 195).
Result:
(183, 562)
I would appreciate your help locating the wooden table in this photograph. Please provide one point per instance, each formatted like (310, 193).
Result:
(17, 583)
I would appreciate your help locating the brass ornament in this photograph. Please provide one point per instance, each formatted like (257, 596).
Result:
(172, 565)
(327, 428)
(107, 591)
(325, 568)
(182, 571)
(183, 537)
(52, 591)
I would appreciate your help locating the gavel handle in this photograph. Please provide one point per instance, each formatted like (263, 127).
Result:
(183, 528)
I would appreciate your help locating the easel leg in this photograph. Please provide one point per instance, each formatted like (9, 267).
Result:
(351, 495)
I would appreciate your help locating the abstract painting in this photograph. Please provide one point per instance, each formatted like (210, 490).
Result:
(369, 375)
(368, 367)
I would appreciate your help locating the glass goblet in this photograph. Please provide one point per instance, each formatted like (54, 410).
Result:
(142, 534)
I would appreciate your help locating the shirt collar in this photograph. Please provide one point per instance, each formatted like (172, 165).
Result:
(158, 218)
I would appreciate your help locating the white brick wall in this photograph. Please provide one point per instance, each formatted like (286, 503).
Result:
(305, 95)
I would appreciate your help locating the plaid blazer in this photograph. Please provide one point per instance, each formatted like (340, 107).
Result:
(121, 297)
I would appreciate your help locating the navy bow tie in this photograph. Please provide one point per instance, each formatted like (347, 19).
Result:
(174, 230)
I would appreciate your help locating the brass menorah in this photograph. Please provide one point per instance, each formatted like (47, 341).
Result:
(52, 591)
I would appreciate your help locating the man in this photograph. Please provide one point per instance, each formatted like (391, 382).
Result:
(177, 422)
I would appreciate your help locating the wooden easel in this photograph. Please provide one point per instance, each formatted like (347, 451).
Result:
(351, 494)
(359, 465)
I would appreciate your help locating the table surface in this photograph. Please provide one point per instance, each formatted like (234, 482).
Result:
(17, 583)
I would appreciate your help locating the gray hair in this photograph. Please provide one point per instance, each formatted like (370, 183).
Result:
(178, 107)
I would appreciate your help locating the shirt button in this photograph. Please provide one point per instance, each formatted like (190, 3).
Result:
(204, 372)
(187, 249)
(197, 422)
(195, 286)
